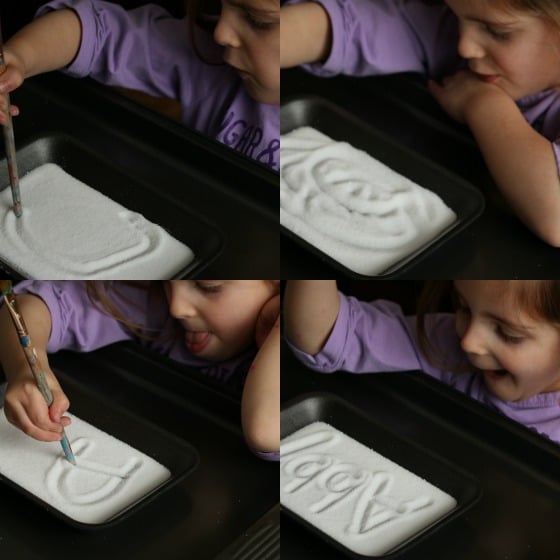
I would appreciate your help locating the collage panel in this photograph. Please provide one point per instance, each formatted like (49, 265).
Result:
(140, 418)
(414, 141)
(419, 419)
(153, 151)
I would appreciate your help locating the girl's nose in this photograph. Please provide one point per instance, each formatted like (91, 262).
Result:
(180, 305)
(224, 33)
(469, 47)
(472, 341)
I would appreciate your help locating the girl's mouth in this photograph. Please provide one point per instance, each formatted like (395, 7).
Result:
(242, 74)
(487, 78)
(495, 374)
(197, 341)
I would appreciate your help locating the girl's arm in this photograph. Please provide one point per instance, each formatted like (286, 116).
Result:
(47, 43)
(24, 405)
(310, 311)
(521, 160)
(522, 164)
(260, 403)
(305, 34)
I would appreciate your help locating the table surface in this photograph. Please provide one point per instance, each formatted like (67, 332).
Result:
(495, 245)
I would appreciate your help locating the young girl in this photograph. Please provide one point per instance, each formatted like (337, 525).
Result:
(501, 346)
(231, 93)
(498, 67)
(227, 329)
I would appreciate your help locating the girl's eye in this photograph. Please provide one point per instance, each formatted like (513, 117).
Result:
(257, 23)
(209, 288)
(508, 338)
(496, 34)
(459, 304)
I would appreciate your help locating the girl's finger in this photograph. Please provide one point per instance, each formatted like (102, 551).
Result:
(59, 405)
(21, 420)
(42, 421)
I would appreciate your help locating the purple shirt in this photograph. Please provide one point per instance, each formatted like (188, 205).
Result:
(372, 37)
(78, 325)
(377, 337)
(149, 50)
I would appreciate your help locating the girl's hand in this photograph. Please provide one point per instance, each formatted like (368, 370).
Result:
(11, 78)
(459, 92)
(26, 408)
(266, 319)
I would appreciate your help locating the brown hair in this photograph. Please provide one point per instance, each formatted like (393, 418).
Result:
(104, 295)
(540, 299)
(548, 10)
(199, 17)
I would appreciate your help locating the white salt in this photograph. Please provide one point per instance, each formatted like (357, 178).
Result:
(69, 230)
(363, 500)
(351, 206)
(110, 476)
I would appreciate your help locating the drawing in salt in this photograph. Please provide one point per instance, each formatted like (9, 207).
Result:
(109, 477)
(70, 231)
(351, 206)
(361, 499)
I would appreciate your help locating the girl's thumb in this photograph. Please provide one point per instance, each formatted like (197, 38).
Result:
(59, 406)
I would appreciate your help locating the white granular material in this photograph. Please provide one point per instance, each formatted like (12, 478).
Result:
(351, 206)
(110, 476)
(69, 230)
(366, 502)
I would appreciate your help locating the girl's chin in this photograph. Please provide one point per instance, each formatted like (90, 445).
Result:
(260, 94)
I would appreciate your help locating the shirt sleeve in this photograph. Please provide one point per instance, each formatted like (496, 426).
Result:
(387, 36)
(144, 48)
(76, 323)
(370, 337)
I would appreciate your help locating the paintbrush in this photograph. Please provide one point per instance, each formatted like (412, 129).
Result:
(32, 359)
(9, 141)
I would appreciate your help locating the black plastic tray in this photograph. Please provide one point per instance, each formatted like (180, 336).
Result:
(463, 198)
(178, 456)
(316, 407)
(177, 173)
(84, 164)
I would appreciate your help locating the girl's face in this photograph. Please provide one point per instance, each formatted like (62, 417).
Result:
(517, 51)
(219, 316)
(250, 32)
(517, 354)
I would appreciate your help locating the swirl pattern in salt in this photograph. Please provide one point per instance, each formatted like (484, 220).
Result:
(361, 499)
(69, 230)
(109, 476)
(351, 206)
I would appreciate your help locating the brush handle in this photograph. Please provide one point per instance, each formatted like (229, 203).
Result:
(9, 141)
